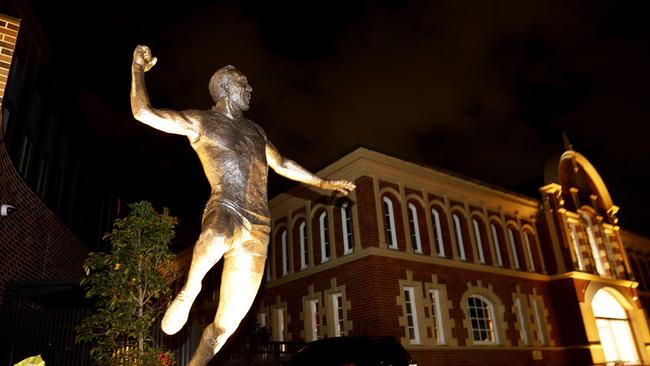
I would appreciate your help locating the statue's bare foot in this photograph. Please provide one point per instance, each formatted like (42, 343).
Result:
(177, 313)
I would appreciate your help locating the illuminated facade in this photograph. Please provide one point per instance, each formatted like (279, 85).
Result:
(460, 272)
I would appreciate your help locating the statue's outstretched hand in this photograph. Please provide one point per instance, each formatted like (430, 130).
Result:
(342, 186)
(142, 56)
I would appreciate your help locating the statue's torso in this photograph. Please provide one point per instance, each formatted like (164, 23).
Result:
(233, 155)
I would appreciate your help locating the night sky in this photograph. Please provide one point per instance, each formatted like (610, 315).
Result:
(482, 88)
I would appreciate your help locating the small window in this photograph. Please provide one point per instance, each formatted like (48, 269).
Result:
(302, 230)
(324, 238)
(415, 228)
(437, 231)
(346, 224)
(459, 237)
(412, 330)
(314, 317)
(267, 269)
(497, 245)
(339, 315)
(595, 252)
(529, 251)
(278, 325)
(479, 241)
(481, 320)
(285, 254)
(436, 317)
(539, 319)
(389, 222)
(513, 246)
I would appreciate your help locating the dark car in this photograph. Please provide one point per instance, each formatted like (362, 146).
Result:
(353, 351)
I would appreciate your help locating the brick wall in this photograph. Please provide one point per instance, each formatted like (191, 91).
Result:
(34, 244)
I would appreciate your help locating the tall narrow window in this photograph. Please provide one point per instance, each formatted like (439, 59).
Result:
(346, 224)
(539, 320)
(339, 315)
(481, 320)
(389, 222)
(285, 254)
(459, 237)
(436, 317)
(576, 246)
(324, 239)
(595, 252)
(497, 245)
(314, 308)
(437, 231)
(529, 251)
(302, 230)
(278, 325)
(415, 228)
(513, 246)
(267, 268)
(521, 318)
(412, 330)
(479, 242)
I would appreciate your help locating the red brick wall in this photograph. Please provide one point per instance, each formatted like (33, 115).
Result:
(34, 244)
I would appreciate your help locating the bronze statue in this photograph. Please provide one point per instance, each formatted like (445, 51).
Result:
(235, 155)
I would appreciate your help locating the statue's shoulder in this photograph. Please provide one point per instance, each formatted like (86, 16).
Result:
(257, 127)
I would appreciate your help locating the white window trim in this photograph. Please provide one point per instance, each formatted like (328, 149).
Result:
(497, 245)
(278, 331)
(314, 308)
(434, 295)
(529, 251)
(493, 319)
(576, 246)
(439, 243)
(413, 217)
(595, 252)
(302, 231)
(285, 254)
(479, 241)
(337, 303)
(539, 319)
(324, 240)
(513, 247)
(391, 222)
(523, 325)
(459, 237)
(347, 235)
(410, 309)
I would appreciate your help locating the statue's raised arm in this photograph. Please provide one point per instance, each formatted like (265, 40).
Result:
(161, 119)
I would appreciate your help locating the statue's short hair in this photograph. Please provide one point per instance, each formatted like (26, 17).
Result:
(221, 77)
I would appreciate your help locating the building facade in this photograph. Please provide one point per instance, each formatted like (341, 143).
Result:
(459, 271)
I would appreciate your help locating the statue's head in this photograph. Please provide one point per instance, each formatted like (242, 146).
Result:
(228, 82)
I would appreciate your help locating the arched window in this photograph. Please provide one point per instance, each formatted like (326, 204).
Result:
(324, 237)
(497, 245)
(346, 225)
(576, 247)
(389, 223)
(302, 231)
(437, 231)
(479, 241)
(285, 254)
(529, 252)
(591, 237)
(415, 228)
(614, 329)
(513, 247)
(481, 319)
(459, 237)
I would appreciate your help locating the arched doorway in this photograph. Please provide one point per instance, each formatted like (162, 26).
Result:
(614, 330)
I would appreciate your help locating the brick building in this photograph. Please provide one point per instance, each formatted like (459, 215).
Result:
(459, 271)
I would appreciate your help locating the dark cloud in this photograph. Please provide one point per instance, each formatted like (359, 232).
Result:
(482, 88)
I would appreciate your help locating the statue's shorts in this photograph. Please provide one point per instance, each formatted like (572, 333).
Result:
(246, 233)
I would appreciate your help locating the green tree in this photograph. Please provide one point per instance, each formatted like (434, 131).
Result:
(131, 287)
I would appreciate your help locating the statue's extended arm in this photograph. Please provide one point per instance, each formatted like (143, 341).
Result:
(290, 169)
(161, 119)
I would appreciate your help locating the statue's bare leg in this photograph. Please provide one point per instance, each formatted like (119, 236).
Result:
(242, 275)
(207, 252)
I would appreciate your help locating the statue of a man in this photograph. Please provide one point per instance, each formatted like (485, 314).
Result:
(235, 155)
